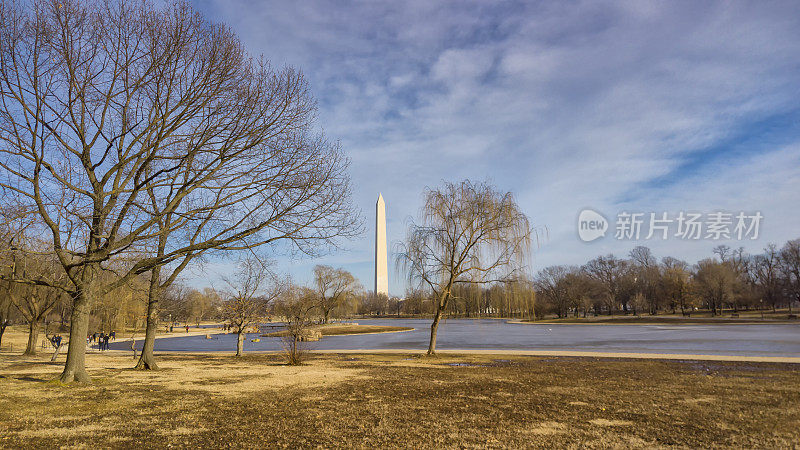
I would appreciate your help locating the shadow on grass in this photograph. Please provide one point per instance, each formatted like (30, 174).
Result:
(33, 379)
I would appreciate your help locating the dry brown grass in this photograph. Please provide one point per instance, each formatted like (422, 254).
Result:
(400, 400)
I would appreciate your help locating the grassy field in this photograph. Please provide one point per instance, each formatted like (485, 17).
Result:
(341, 330)
(387, 400)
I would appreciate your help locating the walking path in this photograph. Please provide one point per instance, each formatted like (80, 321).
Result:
(769, 359)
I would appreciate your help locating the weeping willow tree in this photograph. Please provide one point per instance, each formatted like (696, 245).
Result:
(468, 233)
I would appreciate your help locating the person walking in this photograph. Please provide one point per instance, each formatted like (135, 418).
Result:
(105, 342)
(100, 341)
(113, 335)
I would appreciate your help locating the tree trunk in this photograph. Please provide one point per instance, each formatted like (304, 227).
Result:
(240, 342)
(147, 360)
(434, 329)
(33, 336)
(55, 353)
(75, 367)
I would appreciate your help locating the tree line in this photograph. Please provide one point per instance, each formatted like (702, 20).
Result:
(641, 284)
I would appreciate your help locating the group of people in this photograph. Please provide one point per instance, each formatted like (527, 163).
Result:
(56, 340)
(102, 339)
(171, 327)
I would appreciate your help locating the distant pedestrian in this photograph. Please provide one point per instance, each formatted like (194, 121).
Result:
(100, 341)
(94, 337)
(171, 328)
(113, 335)
(187, 328)
(105, 342)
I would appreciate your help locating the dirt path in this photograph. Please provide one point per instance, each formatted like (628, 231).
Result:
(670, 356)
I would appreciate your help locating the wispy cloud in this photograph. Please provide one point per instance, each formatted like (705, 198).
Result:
(647, 105)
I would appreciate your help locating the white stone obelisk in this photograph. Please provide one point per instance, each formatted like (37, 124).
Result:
(381, 271)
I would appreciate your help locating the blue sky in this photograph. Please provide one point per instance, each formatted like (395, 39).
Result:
(637, 106)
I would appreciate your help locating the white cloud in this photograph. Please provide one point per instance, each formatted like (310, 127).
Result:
(594, 104)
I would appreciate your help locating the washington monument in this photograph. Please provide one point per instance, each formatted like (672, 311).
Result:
(381, 273)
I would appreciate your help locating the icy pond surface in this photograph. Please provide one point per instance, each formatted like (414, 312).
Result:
(495, 334)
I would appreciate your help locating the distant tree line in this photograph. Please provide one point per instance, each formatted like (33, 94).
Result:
(515, 298)
(641, 284)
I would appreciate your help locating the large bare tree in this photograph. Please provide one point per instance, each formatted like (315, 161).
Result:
(468, 233)
(126, 127)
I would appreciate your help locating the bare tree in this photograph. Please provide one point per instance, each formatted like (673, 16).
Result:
(296, 307)
(127, 127)
(5, 308)
(675, 282)
(790, 266)
(647, 274)
(33, 301)
(715, 282)
(551, 284)
(249, 298)
(333, 287)
(469, 233)
(767, 274)
(610, 272)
